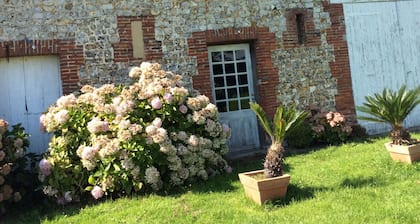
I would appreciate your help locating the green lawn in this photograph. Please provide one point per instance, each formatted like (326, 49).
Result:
(352, 183)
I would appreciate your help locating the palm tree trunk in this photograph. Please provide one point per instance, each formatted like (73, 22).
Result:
(274, 161)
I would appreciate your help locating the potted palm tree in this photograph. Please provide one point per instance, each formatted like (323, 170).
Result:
(270, 183)
(393, 107)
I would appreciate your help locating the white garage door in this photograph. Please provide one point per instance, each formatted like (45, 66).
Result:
(28, 85)
(384, 50)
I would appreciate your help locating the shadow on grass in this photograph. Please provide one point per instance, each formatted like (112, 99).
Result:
(359, 182)
(42, 209)
(296, 194)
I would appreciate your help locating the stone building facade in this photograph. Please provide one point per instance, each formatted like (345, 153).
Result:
(298, 47)
(94, 42)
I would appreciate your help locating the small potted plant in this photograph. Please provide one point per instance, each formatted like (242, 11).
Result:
(270, 183)
(393, 107)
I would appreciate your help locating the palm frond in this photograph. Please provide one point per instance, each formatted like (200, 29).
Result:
(263, 119)
(284, 119)
(390, 106)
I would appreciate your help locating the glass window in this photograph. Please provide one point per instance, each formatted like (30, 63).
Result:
(228, 55)
(244, 92)
(219, 81)
(233, 105)
(245, 104)
(229, 68)
(217, 69)
(231, 80)
(221, 106)
(216, 56)
(220, 94)
(232, 93)
(242, 79)
(240, 54)
(241, 67)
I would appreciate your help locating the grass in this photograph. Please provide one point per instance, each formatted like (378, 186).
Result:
(352, 183)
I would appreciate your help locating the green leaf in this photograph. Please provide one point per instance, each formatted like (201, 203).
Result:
(91, 180)
(116, 167)
(88, 188)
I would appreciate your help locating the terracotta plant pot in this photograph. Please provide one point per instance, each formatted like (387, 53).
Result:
(404, 153)
(264, 189)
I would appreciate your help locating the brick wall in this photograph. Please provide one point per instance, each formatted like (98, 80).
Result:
(123, 50)
(308, 34)
(340, 67)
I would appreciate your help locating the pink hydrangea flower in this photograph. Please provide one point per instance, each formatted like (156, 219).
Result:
(97, 192)
(228, 169)
(67, 100)
(5, 169)
(193, 140)
(183, 109)
(156, 103)
(329, 115)
(225, 128)
(45, 167)
(88, 152)
(3, 126)
(157, 122)
(168, 97)
(43, 122)
(62, 116)
(97, 125)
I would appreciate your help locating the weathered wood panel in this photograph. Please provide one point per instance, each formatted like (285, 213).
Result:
(383, 50)
(28, 85)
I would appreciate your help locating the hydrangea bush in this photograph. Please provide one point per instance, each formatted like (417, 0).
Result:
(149, 136)
(13, 164)
(329, 126)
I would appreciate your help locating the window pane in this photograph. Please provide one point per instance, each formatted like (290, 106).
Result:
(244, 91)
(245, 104)
(240, 54)
(221, 106)
(232, 93)
(241, 67)
(231, 80)
(219, 82)
(242, 79)
(229, 68)
(217, 69)
(216, 56)
(220, 94)
(233, 105)
(228, 55)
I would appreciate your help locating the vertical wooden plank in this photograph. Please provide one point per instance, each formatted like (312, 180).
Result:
(12, 94)
(42, 88)
(409, 20)
(376, 58)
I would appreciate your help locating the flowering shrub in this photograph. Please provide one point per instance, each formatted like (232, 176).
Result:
(329, 127)
(152, 135)
(13, 164)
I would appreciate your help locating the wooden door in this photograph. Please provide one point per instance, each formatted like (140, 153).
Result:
(233, 89)
(28, 85)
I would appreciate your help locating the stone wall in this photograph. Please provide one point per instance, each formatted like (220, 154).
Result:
(299, 70)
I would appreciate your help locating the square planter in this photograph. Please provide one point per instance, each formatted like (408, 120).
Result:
(264, 189)
(404, 153)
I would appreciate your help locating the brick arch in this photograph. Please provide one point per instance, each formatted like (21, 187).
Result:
(70, 56)
(264, 43)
